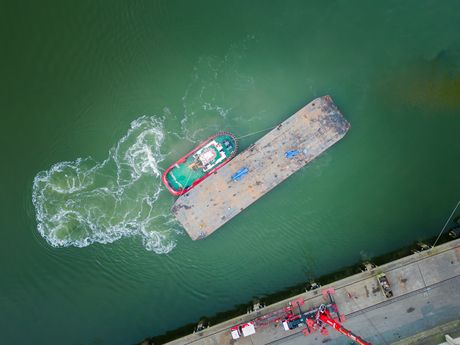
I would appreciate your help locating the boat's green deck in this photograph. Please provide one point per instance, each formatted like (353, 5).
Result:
(186, 176)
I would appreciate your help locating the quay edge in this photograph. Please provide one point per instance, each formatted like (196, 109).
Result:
(426, 296)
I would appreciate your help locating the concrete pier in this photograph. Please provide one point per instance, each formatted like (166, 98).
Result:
(426, 290)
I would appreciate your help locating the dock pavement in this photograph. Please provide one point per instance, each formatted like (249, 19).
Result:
(426, 288)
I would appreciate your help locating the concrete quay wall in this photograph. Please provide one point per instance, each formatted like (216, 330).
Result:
(426, 290)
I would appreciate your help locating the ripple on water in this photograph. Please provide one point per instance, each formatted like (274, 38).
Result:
(81, 202)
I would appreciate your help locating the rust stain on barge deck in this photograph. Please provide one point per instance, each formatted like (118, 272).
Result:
(216, 200)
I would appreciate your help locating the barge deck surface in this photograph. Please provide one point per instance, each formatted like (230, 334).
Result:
(215, 201)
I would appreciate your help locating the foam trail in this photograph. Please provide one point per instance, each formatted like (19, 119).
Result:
(82, 202)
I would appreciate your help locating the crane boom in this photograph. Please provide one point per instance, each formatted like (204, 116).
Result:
(323, 316)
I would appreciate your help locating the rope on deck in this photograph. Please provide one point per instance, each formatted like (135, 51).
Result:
(263, 130)
(183, 188)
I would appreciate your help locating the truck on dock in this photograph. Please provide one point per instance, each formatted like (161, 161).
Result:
(385, 285)
(244, 330)
(249, 328)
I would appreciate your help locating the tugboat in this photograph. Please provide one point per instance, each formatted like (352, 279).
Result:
(200, 163)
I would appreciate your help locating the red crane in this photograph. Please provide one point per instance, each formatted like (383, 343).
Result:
(323, 316)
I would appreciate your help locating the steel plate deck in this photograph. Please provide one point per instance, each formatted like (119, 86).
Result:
(215, 201)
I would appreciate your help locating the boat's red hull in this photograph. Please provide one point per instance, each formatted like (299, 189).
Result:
(183, 159)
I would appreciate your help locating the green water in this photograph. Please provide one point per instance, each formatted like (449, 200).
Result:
(99, 98)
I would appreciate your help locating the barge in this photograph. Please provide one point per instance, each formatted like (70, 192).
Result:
(266, 163)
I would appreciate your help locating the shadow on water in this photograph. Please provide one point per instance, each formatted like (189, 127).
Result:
(291, 291)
